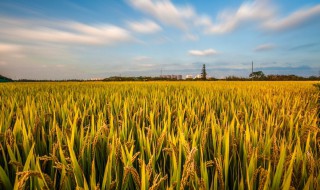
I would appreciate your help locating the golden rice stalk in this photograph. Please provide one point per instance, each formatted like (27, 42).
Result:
(135, 175)
(160, 139)
(134, 157)
(129, 144)
(275, 154)
(310, 163)
(219, 170)
(133, 172)
(203, 139)
(209, 163)
(125, 175)
(17, 164)
(118, 150)
(157, 182)
(27, 174)
(9, 137)
(149, 132)
(97, 187)
(148, 167)
(188, 168)
(113, 184)
(202, 184)
(255, 174)
(263, 178)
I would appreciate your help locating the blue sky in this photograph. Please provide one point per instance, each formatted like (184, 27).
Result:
(96, 39)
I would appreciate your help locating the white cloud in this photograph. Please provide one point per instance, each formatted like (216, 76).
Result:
(60, 65)
(230, 20)
(3, 63)
(64, 32)
(262, 13)
(264, 47)
(206, 52)
(145, 65)
(183, 17)
(190, 37)
(145, 26)
(141, 58)
(293, 19)
(9, 48)
(166, 12)
(203, 21)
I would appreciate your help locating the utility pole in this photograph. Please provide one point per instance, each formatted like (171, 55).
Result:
(252, 67)
(252, 71)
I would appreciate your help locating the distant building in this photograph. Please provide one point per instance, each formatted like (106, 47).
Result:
(189, 77)
(198, 76)
(165, 76)
(177, 77)
(96, 79)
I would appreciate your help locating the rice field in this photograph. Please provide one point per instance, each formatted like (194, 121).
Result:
(159, 135)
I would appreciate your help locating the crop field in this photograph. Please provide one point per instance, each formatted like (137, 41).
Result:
(159, 135)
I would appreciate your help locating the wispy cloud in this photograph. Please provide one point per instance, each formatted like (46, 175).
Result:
(205, 52)
(9, 48)
(183, 17)
(264, 47)
(190, 37)
(263, 14)
(63, 32)
(145, 26)
(2, 63)
(141, 58)
(165, 12)
(304, 46)
(230, 20)
(294, 19)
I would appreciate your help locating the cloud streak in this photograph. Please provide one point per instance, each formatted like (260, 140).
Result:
(141, 58)
(183, 17)
(228, 21)
(165, 12)
(190, 37)
(205, 52)
(9, 48)
(304, 46)
(295, 19)
(63, 32)
(263, 14)
(145, 27)
(264, 47)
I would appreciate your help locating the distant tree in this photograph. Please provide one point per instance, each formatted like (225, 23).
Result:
(235, 78)
(203, 72)
(5, 79)
(257, 75)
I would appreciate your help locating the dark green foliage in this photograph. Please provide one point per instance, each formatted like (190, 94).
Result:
(257, 75)
(203, 72)
(4, 79)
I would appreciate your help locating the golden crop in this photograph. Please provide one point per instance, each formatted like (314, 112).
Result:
(159, 135)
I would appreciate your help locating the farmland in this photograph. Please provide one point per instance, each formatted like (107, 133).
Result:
(159, 135)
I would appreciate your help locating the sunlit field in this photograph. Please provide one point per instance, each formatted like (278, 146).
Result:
(159, 135)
